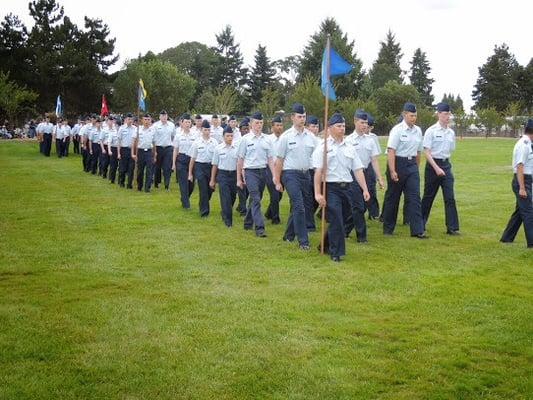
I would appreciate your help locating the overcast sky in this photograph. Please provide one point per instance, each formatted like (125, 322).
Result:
(457, 36)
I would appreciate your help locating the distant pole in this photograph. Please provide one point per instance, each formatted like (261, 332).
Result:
(325, 155)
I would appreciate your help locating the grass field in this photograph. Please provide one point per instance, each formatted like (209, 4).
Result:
(112, 294)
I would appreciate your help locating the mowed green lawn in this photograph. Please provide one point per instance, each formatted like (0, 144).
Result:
(113, 294)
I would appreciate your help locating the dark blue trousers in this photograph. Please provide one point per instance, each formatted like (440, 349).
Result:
(356, 219)
(60, 148)
(255, 182)
(242, 194)
(163, 162)
(182, 177)
(126, 167)
(432, 182)
(145, 169)
(66, 146)
(202, 172)
(272, 211)
(409, 184)
(47, 144)
(93, 160)
(227, 190)
(104, 162)
(372, 205)
(297, 185)
(523, 213)
(85, 159)
(113, 164)
(339, 203)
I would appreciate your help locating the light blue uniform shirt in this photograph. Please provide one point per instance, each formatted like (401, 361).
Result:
(94, 134)
(217, 133)
(225, 157)
(376, 140)
(126, 134)
(146, 138)
(183, 141)
(255, 150)
(406, 141)
(440, 140)
(523, 154)
(296, 149)
(365, 147)
(112, 137)
(46, 127)
(164, 133)
(202, 150)
(341, 157)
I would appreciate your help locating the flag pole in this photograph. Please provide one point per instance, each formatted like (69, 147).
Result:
(325, 155)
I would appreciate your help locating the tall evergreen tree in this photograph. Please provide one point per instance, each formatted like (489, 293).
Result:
(387, 65)
(14, 51)
(497, 85)
(419, 77)
(311, 59)
(262, 74)
(456, 103)
(228, 69)
(525, 88)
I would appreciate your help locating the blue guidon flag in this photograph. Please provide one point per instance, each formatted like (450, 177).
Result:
(338, 66)
(142, 95)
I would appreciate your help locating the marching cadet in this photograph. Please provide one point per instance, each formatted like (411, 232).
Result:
(294, 152)
(46, 133)
(145, 153)
(197, 128)
(67, 133)
(367, 151)
(272, 212)
(232, 122)
(112, 151)
(522, 186)
(403, 159)
(38, 131)
(181, 159)
(255, 155)
(76, 136)
(84, 142)
(439, 143)
(242, 192)
(201, 154)
(164, 134)
(104, 146)
(223, 123)
(60, 133)
(224, 171)
(343, 164)
(373, 203)
(94, 145)
(126, 136)
(216, 130)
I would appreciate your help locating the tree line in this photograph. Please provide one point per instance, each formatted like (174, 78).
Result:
(55, 56)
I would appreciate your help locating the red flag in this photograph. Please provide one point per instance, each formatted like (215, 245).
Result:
(105, 110)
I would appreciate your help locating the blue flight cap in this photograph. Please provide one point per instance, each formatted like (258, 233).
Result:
(409, 107)
(298, 108)
(147, 115)
(336, 118)
(228, 129)
(529, 126)
(232, 118)
(244, 122)
(277, 119)
(371, 120)
(186, 116)
(361, 114)
(312, 120)
(198, 116)
(163, 112)
(257, 115)
(214, 116)
(443, 107)
(206, 124)
(128, 115)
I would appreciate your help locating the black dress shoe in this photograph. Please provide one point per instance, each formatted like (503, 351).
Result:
(286, 239)
(261, 234)
(335, 258)
(362, 240)
(452, 232)
(421, 236)
(304, 247)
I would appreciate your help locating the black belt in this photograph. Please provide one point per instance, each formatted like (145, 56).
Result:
(339, 184)
(203, 163)
(254, 169)
(297, 170)
(442, 160)
(145, 149)
(407, 158)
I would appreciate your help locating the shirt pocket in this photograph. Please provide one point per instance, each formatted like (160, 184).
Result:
(404, 138)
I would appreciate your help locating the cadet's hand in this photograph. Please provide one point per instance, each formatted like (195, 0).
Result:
(240, 184)
(191, 177)
(173, 167)
(440, 172)
(394, 176)
(118, 156)
(381, 183)
(91, 152)
(110, 152)
(522, 193)
(134, 157)
(366, 195)
(212, 184)
(320, 200)
(279, 187)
